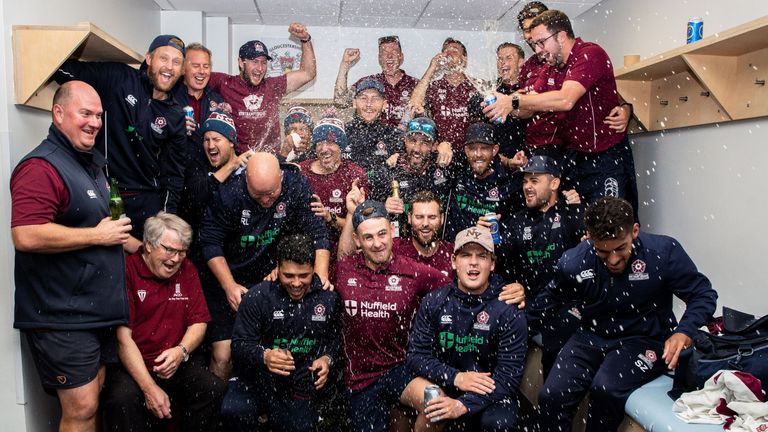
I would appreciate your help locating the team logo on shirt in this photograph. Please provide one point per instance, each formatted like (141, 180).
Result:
(159, 124)
(319, 313)
(493, 194)
(351, 306)
(584, 275)
(336, 196)
(446, 319)
(481, 321)
(278, 315)
(441, 93)
(177, 294)
(91, 193)
(575, 312)
(611, 187)
(381, 149)
(527, 235)
(280, 210)
(404, 184)
(551, 81)
(645, 361)
(439, 178)
(253, 102)
(245, 217)
(142, 294)
(638, 271)
(131, 99)
(556, 221)
(393, 284)
(352, 282)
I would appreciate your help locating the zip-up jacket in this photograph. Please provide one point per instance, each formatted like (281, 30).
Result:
(370, 144)
(636, 303)
(458, 332)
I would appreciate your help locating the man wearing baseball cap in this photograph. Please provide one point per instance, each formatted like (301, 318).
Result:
(483, 185)
(145, 144)
(371, 140)
(470, 344)
(534, 238)
(255, 98)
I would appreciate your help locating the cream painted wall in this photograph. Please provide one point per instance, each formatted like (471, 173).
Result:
(703, 185)
(23, 404)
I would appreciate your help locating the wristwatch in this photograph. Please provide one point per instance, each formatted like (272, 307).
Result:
(515, 101)
(184, 351)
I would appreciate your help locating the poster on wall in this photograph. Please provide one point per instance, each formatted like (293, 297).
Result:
(286, 57)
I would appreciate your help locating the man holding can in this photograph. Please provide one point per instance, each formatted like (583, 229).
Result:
(470, 344)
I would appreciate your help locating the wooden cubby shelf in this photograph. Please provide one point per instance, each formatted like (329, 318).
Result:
(39, 50)
(717, 79)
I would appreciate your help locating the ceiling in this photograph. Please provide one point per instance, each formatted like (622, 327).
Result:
(469, 15)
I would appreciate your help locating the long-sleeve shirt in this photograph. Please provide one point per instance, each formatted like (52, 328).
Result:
(637, 302)
(458, 332)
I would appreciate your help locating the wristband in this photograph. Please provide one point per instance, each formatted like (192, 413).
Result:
(309, 38)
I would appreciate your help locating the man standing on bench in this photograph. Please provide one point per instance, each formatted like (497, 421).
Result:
(625, 280)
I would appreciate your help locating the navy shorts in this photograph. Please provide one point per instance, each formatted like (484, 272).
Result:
(71, 358)
(369, 408)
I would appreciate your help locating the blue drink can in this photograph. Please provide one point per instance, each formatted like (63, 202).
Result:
(430, 392)
(695, 30)
(494, 227)
(490, 100)
(189, 111)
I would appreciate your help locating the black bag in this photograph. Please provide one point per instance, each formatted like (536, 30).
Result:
(743, 346)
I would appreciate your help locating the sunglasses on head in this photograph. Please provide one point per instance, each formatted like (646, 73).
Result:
(416, 126)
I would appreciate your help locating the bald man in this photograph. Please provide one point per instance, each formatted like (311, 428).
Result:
(240, 232)
(70, 270)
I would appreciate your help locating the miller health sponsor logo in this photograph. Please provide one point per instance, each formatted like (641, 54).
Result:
(368, 309)
(461, 344)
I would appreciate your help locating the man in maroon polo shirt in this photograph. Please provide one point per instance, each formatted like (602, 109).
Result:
(167, 322)
(424, 245)
(255, 99)
(580, 73)
(447, 98)
(397, 84)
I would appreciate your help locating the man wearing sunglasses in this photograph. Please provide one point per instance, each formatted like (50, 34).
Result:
(397, 84)
(580, 85)
(158, 346)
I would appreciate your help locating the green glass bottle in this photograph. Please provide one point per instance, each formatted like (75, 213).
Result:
(116, 207)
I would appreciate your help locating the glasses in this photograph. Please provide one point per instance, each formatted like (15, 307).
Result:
(170, 252)
(540, 43)
(417, 126)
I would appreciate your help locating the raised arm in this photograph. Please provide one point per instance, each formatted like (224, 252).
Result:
(308, 67)
(342, 96)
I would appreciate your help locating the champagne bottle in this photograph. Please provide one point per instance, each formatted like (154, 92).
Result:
(394, 218)
(116, 207)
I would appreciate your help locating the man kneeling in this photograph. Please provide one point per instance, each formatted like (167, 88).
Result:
(286, 337)
(468, 343)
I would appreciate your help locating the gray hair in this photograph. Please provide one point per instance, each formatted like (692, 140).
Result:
(155, 226)
(197, 46)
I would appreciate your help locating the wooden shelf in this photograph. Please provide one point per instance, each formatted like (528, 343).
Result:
(39, 50)
(713, 80)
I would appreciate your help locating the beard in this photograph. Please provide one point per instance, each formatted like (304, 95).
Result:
(428, 242)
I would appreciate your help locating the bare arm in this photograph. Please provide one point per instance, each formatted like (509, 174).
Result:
(234, 290)
(156, 399)
(55, 238)
(168, 362)
(342, 96)
(322, 260)
(308, 68)
(419, 94)
(558, 100)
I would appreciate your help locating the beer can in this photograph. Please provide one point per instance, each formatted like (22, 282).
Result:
(430, 392)
(189, 111)
(695, 30)
(490, 100)
(494, 227)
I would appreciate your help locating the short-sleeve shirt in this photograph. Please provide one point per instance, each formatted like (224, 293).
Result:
(397, 95)
(589, 65)
(161, 310)
(449, 106)
(39, 194)
(255, 109)
(543, 128)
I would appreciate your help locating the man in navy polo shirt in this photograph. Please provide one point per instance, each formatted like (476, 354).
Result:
(624, 281)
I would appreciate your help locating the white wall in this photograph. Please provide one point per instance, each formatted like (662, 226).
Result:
(419, 46)
(703, 185)
(134, 23)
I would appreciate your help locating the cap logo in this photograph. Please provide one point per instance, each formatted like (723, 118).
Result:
(474, 233)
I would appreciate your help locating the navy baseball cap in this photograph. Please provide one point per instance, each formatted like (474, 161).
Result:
(167, 40)
(480, 133)
(369, 83)
(254, 49)
(368, 209)
(423, 126)
(542, 165)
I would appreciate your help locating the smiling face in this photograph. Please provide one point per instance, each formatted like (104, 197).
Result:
(295, 278)
(328, 155)
(473, 265)
(164, 68)
(547, 45)
(78, 116)
(369, 104)
(540, 190)
(253, 71)
(455, 53)
(374, 237)
(508, 64)
(426, 222)
(417, 149)
(616, 252)
(390, 57)
(480, 156)
(164, 259)
(218, 149)
(197, 69)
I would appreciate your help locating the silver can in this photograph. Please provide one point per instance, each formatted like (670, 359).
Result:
(430, 392)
